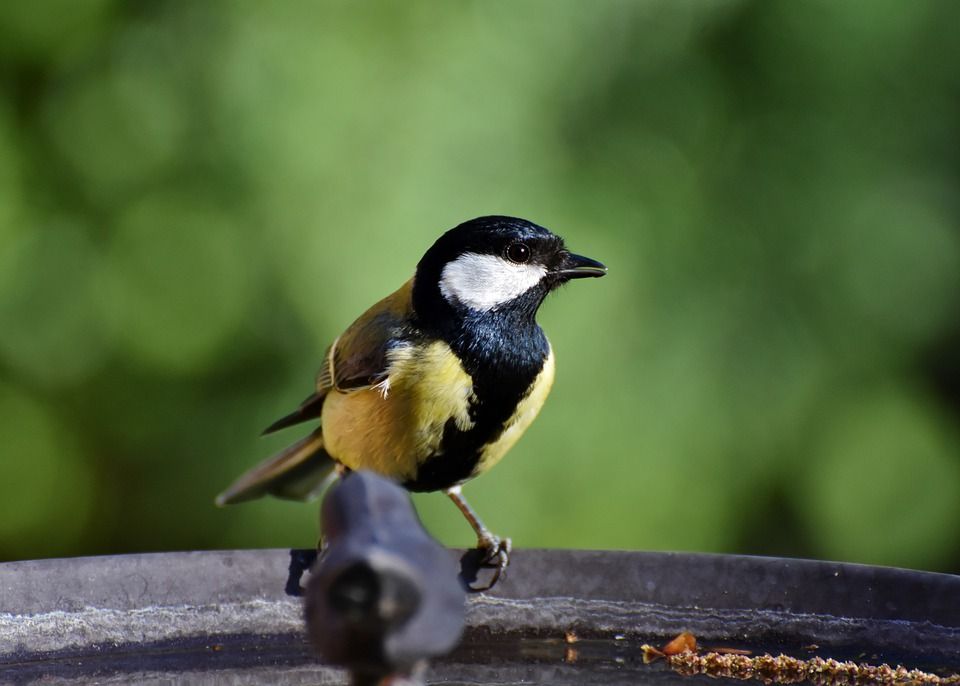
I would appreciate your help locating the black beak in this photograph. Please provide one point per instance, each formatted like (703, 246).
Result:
(579, 267)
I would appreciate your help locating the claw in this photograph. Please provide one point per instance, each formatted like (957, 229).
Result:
(492, 552)
(495, 547)
(496, 556)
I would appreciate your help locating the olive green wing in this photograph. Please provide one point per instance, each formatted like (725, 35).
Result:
(357, 359)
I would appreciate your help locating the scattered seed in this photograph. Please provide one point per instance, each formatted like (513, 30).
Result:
(682, 643)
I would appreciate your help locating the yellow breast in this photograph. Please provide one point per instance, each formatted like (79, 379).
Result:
(393, 426)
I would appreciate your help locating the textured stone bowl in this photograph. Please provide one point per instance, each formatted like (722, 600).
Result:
(561, 617)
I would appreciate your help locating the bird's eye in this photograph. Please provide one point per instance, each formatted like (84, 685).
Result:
(519, 253)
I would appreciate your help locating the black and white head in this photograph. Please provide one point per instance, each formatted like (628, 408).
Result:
(495, 265)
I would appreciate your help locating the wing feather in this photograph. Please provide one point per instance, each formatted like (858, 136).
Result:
(297, 472)
(358, 358)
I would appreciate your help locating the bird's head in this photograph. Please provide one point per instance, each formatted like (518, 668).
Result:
(495, 264)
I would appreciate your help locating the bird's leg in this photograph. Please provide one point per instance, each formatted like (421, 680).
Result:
(341, 471)
(497, 549)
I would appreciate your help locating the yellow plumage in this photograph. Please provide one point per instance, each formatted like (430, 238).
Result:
(392, 427)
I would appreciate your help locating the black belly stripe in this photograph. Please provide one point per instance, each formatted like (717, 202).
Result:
(504, 357)
(456, 461)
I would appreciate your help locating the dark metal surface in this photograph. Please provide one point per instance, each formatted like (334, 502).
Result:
(225, 617)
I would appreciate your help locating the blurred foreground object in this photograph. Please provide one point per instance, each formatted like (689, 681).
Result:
(384, 596)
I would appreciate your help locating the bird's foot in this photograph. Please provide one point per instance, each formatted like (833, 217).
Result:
(495, 555)
(497, 550)
(300, 562)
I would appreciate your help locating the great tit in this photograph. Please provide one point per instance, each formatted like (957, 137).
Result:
(436, 382)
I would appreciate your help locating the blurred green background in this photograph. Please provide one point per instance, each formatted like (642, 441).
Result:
(195, 198)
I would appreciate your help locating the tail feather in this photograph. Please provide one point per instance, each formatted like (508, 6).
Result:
(298, 472)
(309, 409)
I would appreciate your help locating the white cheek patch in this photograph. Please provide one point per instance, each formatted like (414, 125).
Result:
(482, 282)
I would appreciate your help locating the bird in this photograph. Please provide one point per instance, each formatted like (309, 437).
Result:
(432, 385)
